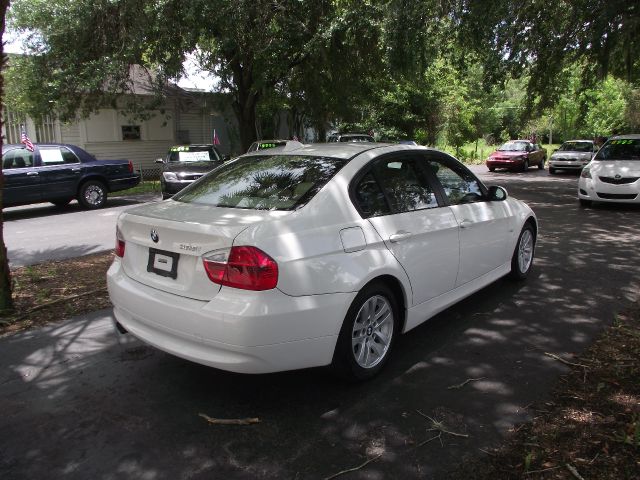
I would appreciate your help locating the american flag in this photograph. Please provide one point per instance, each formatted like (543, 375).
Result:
(25, 139)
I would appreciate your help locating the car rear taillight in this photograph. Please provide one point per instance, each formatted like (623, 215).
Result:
(248, 268)
(130, 166)
(119, 250)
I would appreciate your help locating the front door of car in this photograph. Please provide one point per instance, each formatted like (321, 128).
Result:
(422, 235)
(21, 179)
(484, 225)
(59, 172)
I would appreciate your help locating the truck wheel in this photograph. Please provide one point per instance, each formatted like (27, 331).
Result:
(92, 194)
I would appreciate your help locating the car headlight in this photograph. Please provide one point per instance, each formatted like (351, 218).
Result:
(170, 176)
(586, 173)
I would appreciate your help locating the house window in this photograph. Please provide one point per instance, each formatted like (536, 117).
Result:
(130, 132)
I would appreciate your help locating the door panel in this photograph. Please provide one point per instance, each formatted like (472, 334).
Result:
(21, 179)
(422, 235)
(483, 224)
(59, 173)
(483, 238)
(425, 242)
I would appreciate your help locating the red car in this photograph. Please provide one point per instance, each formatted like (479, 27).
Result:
(517, 155)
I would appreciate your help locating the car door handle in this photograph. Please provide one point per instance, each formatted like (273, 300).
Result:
(399, 236)
(76, 170)
(465, 223)
(31, 174)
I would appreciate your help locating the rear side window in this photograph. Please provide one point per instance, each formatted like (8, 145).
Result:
(57, 156)
(404, 185)
(274, 182)
(190, 153)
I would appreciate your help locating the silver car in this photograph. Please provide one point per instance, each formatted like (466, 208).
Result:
(572, 155)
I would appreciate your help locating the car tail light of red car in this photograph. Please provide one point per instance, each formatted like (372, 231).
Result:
(248, 268)
(120, 244)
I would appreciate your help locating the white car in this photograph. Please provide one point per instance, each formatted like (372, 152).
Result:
(614, 173)
(305, 256)
(572, 155)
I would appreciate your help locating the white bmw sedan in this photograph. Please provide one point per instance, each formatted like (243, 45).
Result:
(304, 256)
(614, 173)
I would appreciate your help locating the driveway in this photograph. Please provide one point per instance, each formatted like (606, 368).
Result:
(37, 233)
(77, 404)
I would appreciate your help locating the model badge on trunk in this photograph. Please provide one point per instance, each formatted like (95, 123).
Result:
(154, 235)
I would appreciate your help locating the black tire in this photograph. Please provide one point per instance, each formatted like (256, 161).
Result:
(584, 203)
(525, 166)
(345, 362)
(541, 164)
(526, 246)
(92, 194)
(552, 170)
(62, 203)
(492, 169)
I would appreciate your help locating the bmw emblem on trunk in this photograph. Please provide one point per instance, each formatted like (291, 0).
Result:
(154, 235)
(618, 177)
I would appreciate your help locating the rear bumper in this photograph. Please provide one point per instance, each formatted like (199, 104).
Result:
(238, 331)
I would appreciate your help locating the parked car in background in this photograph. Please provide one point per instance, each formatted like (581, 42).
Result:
(58, 173)
(185, 164)
(350, 137)
(313, 255)
(572, 155)
(614, 173)
(517, 155)
(264, 144)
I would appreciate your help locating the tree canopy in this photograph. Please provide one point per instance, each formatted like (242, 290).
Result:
(425, 70)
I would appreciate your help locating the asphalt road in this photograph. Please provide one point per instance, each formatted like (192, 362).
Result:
(77, 404)
(40, 232)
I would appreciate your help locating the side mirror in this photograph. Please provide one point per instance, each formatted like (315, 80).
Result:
(226, 157)
(159, 160)
(497, 194)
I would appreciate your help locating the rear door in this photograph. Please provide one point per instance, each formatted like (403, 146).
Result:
(402, 206)
(21, 178)
(59, 172)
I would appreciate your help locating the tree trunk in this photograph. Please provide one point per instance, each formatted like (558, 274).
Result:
(6, 300)
(246, 100)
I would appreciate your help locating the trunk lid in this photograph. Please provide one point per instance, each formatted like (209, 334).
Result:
(165, 243)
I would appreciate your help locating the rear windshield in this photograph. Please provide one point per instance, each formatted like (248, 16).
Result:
(269, 182)
(620, 150)
(191, 153)
(576, 147)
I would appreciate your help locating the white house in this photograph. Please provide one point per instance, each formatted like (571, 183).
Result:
(186, 117)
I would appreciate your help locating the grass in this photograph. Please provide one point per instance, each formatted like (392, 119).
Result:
(148, 186)
(589, 428)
